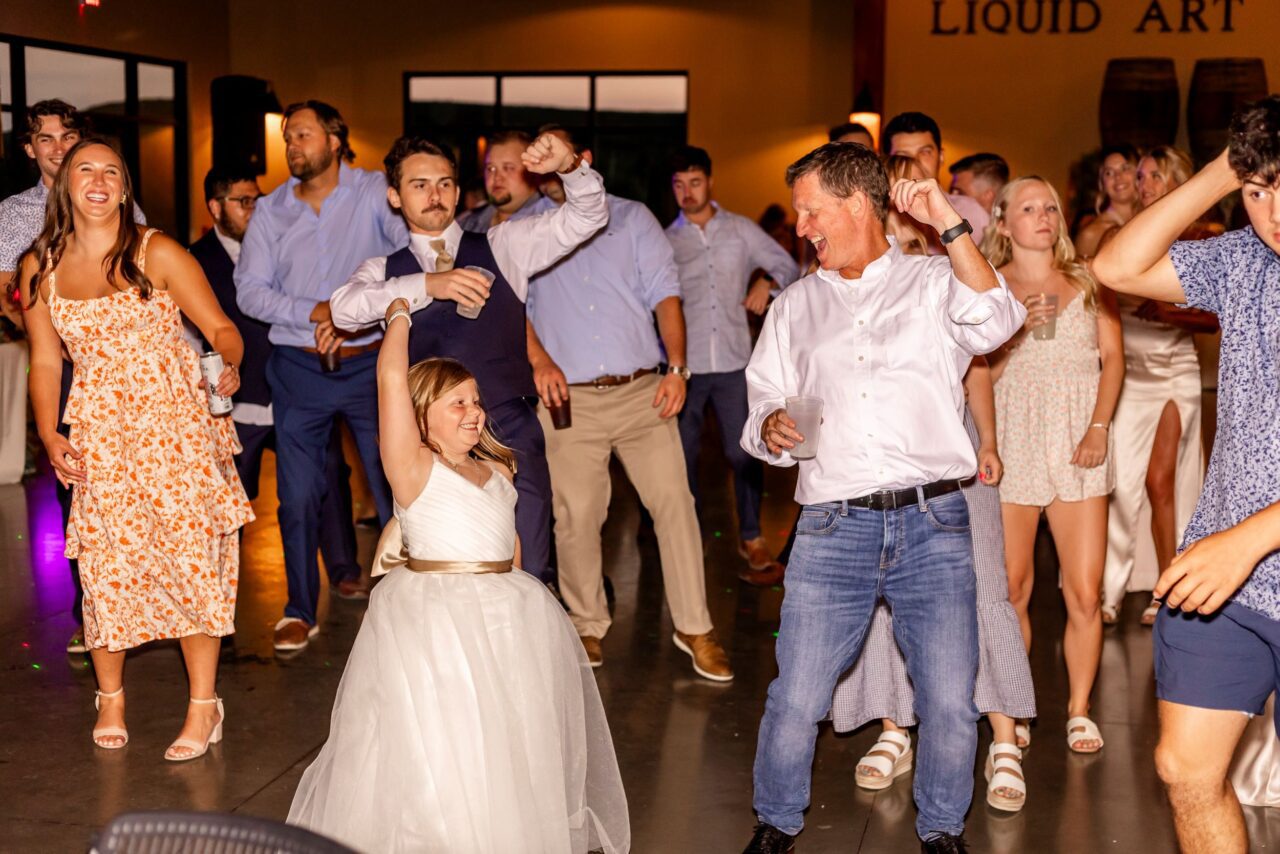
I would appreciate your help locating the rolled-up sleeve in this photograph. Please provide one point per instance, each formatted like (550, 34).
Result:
(655, 261)
(765, 253)
(364, 298)
(771, 377)
(258, 293)
(977, 322)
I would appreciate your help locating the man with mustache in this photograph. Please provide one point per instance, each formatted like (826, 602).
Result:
(305, 239)
(508, 186)
(422, 182)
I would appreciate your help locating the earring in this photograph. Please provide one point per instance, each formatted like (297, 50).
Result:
(123, 198)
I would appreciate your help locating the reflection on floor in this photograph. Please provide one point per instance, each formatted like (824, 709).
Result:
(685, 745)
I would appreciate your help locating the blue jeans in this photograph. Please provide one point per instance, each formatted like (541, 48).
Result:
(727, 393)
(920, 559)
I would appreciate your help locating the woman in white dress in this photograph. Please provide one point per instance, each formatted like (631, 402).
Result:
(468, 718)
(1158, 460)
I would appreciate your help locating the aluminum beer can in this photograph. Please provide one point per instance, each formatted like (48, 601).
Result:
(211, 367)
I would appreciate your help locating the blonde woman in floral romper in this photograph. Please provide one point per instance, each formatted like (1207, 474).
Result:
(1055, 397)
(156, 500)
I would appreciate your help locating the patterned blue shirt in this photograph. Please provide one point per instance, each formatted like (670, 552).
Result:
(1237, 277)
(22, 217)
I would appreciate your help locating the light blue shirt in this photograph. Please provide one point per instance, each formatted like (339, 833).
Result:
(593, 311)
(293, 258)
(715, 263)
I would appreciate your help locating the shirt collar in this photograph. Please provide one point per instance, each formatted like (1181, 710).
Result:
(875, 270)
(40, 192)
(683, 222)
(421, 243)
(230, 245)
(346, 175)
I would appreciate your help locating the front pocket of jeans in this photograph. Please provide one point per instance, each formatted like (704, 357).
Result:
(816, 522)
(950, 516)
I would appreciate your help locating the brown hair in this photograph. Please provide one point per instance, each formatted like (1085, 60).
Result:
(1101, 201)
(844, 168)
(431, 379)
(999, 247)
(330, 119)
(1253, 147)
(64, 112)
(59, 224)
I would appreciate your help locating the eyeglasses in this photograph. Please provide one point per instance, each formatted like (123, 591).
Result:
(243, 201)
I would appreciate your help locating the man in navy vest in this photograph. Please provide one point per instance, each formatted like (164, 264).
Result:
(431, 275)
(231, 196)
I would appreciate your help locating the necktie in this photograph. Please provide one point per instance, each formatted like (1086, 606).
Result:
(444, 261)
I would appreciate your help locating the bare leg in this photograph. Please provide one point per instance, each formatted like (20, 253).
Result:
(200, 652)
(1162, 484)
(1002, 733)
(1020, 523)
(1192, 758)
(1080, 532)
(108, 667)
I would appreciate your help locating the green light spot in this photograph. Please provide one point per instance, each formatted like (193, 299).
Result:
(775, 634)
(717, 534)
(35, 667)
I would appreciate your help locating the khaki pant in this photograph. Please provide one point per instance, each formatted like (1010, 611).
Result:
(622, 420)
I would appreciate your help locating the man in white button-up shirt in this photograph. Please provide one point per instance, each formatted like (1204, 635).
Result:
(883, 339)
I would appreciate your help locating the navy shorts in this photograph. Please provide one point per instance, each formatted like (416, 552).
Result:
(1229, 660)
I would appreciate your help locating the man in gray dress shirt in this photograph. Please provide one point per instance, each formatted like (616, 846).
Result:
(717, 252)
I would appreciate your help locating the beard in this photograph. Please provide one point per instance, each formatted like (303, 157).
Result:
(309, 167)
(500, 200)
(230, 229)
(692, 206)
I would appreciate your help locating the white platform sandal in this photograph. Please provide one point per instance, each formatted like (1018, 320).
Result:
(196, 747)
(1150, 613)
(1022, 735)
(108, 731)
(1082, 729)
(1004, 771)
(890, 757)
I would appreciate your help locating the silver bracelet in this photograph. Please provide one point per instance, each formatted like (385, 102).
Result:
(399, 312)
(1100, 426)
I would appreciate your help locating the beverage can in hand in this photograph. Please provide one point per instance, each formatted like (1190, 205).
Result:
(211, 367)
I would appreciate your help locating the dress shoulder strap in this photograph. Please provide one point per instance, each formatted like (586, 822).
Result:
(142, 252)
(48, 254)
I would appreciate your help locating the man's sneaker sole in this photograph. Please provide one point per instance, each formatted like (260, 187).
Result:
(684, 647)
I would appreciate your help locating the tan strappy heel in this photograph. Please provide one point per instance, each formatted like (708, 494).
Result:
(108, 731)
(199, 749)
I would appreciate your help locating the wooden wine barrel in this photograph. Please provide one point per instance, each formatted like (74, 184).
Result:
(1139, 103)
(1218, 88)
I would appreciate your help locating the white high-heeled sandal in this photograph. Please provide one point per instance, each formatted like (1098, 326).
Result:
(1002, 761)
(108, 731)
(199, 749)
(891, 755)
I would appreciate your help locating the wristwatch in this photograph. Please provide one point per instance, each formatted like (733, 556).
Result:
(955, 231)
(681, 371)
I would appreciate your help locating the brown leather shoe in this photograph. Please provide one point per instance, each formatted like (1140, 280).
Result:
(767, 577)
(292, 633)
(756, 552)
(351, 588)
(595, 654)
(710, 661)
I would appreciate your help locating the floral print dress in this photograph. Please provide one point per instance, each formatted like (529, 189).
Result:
(155, 524)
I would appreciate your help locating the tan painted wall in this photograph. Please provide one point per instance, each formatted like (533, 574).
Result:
(193, 32)
(1034, 98)
(766, 78)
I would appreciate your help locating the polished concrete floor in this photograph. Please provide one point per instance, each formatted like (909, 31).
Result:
(685, 745)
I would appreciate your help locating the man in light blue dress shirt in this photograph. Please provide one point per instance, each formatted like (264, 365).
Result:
(716, 252)
(592, 342)
(305, 239)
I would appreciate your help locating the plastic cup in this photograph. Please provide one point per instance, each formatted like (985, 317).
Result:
(471, 312)
(1049, 329)
(561, 414)
(807, 413)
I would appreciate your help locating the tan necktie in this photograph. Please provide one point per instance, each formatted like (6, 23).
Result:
(444, 261)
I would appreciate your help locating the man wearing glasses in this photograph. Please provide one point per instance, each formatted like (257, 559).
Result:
(231, 196)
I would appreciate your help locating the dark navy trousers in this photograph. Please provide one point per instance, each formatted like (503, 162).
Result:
(515, 423)
(306, 402)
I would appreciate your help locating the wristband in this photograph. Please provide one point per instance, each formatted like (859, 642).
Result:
(399, 312)
(1100, 426)
(955, 231)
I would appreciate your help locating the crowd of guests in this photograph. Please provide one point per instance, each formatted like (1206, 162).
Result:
(978, 365)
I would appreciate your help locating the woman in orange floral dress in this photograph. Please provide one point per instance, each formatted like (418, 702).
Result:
(156, 501)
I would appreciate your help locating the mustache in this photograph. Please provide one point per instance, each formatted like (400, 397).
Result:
(436, 207)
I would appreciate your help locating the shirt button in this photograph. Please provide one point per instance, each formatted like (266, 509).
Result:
(591, 308)
(860, 323)
(864, 394)
(860, 358)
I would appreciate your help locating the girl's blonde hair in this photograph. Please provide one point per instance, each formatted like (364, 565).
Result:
(999, 247)
(1173, 163)
(911, 240)
(430, 380)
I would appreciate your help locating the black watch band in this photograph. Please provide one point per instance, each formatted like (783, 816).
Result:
(955, 231)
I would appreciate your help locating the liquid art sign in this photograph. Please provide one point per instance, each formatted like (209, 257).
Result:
(1070, 17)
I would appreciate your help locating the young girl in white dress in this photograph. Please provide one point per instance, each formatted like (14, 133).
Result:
(468, 718)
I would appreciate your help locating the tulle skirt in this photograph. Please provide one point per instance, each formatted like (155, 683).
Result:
(467, 721)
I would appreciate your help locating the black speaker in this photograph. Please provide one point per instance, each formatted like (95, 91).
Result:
(240, 105)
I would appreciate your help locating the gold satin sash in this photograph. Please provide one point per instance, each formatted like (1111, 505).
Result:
(391, 553)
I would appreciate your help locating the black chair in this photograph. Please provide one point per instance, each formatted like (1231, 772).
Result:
(207, 833)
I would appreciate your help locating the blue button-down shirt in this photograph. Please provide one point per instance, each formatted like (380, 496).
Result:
(22, 217)
(293, 258)
(1237, 277)
(480, 220)
(594, 310)
(716, 262)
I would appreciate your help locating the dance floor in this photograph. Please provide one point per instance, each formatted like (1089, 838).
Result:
(685, 745)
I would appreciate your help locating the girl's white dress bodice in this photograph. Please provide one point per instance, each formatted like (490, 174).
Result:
(453, 519)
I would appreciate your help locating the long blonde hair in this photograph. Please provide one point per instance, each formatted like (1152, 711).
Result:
(1173, 163)
(430, 380)
(999, 247)
(911, 240)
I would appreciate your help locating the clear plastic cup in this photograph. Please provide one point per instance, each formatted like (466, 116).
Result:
(1049, 329)
(807, 413)
(471, 312)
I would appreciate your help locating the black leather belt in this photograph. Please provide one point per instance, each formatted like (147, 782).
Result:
(891, 499)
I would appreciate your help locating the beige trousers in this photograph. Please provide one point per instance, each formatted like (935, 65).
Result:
(622, 420)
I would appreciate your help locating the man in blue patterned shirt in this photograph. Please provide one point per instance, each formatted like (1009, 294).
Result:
(1217, 641)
